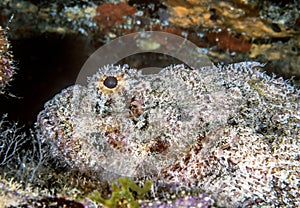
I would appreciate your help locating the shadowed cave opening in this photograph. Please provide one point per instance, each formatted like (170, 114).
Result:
(46, 64)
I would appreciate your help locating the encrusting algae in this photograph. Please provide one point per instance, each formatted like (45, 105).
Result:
(231, 131)
(123, 195)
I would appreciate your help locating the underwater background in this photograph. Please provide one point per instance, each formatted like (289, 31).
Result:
(44, 45)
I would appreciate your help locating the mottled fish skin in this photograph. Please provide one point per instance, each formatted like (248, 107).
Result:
(232, 131)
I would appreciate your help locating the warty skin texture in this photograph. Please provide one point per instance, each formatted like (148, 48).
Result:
(231, 131)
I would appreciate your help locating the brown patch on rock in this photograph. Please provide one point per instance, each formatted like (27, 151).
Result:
(160, 145)
(229, 42)
(108, 15)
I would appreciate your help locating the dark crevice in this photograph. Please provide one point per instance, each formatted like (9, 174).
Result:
(46, 64)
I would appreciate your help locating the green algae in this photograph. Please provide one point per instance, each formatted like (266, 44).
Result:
(123, 195)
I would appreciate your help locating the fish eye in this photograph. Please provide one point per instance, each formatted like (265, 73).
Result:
(110, 82)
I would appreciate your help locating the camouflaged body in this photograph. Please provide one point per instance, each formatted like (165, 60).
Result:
(231, 131)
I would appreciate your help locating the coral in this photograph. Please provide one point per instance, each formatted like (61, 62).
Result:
(22, 157)
(227, 29)
(240, 16)
(12, 140)
(109, 15)
(31, 19)
(280, 13)
(123, 196)
(231, 131)
(276, 52)
(7, 68)
(233, 26)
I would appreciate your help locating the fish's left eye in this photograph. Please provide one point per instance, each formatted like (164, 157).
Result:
(110, 82)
